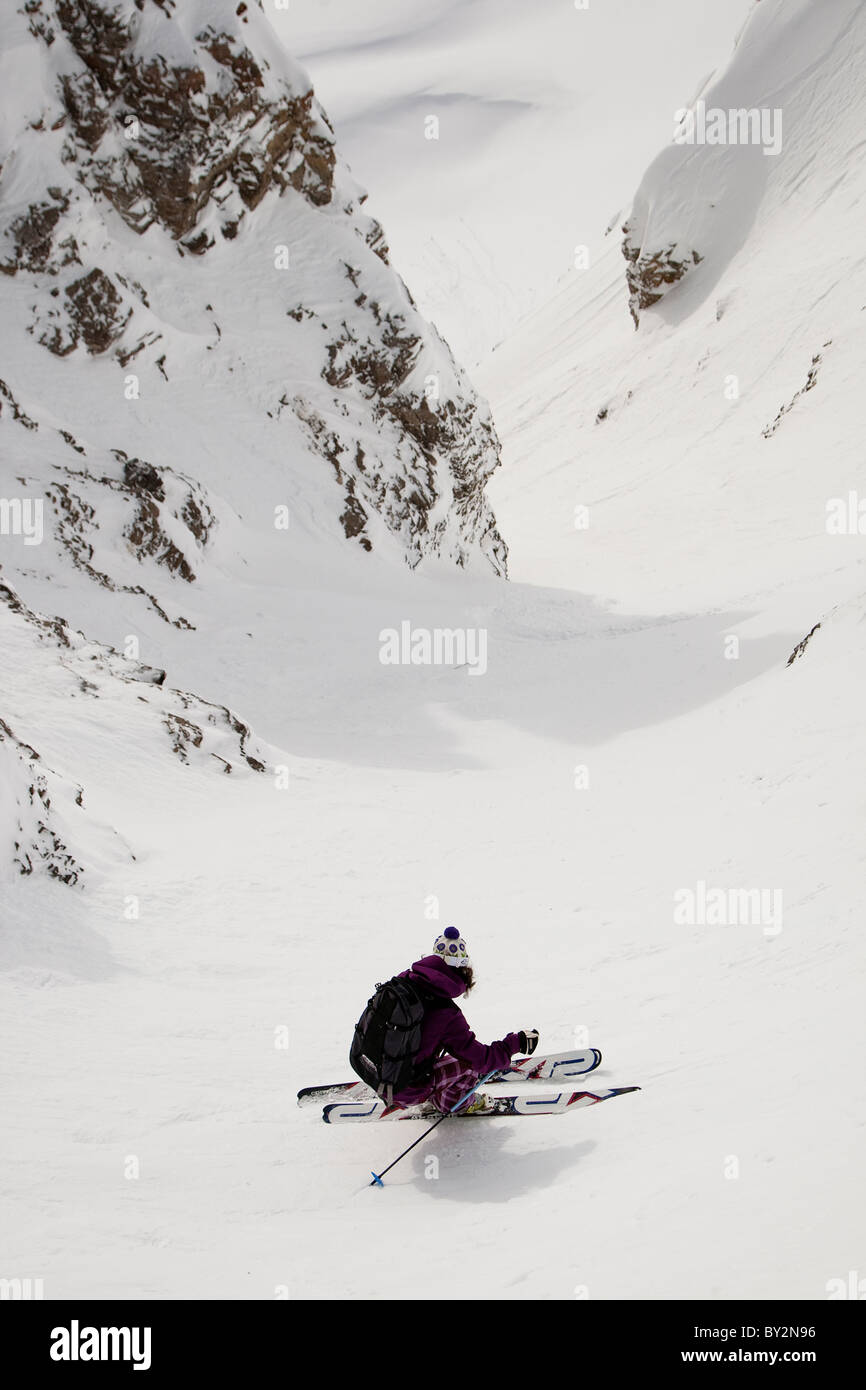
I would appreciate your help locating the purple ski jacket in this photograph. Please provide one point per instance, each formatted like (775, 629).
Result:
(445, 1029)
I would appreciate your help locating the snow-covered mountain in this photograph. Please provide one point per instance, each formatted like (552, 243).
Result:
(669, 715)
(180, 235)
(709, 448)
(204, 339)
(498, 138)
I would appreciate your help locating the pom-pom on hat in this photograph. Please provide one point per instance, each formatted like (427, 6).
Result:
(452, 948)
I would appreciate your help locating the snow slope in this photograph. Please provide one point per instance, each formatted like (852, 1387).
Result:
(620, 751)
(265, 915)
(714, 438)
(548, 114)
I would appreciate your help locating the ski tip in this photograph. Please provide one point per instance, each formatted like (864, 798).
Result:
(306, 1091)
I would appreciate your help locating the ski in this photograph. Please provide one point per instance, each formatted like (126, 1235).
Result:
(559, 1066)
(365, 1112)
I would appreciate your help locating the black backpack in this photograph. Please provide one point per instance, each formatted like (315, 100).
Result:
(387, 1039)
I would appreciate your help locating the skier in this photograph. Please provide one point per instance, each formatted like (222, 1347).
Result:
(450, 1059)
(414, 1051)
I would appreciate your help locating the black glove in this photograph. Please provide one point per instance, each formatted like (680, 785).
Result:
(528, 1041)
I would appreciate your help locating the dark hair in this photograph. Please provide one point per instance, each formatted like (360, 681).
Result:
(467, 975)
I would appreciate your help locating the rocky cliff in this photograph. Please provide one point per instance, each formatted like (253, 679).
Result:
(142, 138)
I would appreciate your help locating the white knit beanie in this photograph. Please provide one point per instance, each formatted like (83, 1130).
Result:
(452, 948)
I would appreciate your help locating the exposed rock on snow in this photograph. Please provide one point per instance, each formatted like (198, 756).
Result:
(147, 131)
(650, 274)
(801, 646)
(166, 518)
(41, 809)
(216, 730)
(31, 238)
(810, 382)
(32, 828)
(219, 734)
(211, 121)
(92, 311)
(12, 405)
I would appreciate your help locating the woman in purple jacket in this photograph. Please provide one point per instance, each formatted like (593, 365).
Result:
(450, 1054)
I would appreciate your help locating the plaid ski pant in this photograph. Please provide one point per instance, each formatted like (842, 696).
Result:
(451, 1081)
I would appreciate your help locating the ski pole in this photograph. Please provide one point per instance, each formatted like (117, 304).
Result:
(377, 1177)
